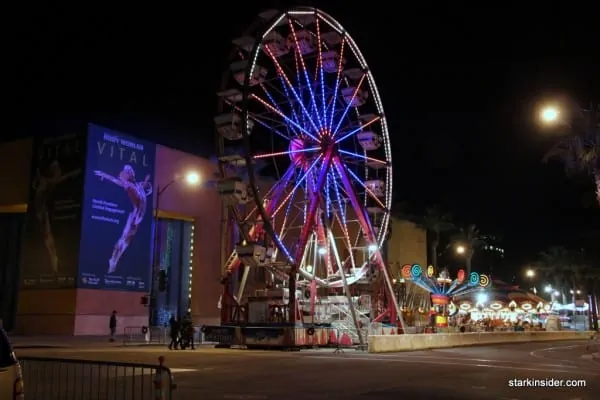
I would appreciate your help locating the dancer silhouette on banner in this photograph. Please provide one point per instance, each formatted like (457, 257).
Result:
(43, 185)
(138, 193)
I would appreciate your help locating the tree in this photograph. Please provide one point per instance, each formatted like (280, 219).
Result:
(435, 222)
(579, 152)
(557, 263)
(588, 275)
(472, 239)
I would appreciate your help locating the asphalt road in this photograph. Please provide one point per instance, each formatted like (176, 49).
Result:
(462, 373)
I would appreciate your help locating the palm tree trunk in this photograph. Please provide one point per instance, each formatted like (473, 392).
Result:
(594, 307)
(434, 247)
(597, 179)
(468, 263)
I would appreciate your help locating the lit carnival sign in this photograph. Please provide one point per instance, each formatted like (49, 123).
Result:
(415, 271)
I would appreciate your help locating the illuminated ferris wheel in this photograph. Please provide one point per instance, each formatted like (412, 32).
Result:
(305, 159)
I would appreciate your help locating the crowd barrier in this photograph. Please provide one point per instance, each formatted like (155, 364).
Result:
(136, 335)
(397, 343)
(66, 379)
(157, 335)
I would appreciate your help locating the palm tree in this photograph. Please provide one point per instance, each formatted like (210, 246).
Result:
(435, 222)
(588, 276)
(558, 264)
(580, 152)
(471, 239)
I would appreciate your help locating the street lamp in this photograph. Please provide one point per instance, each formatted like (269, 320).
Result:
(191, 178)
(460, 249)
(530, 273)
(549, 114)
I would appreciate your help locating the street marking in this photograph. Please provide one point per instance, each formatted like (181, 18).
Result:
(483, 360)
(509, 367)
(534, 353)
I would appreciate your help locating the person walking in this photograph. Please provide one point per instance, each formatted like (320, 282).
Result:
(174, 333)
(112, 325)
(187, 331)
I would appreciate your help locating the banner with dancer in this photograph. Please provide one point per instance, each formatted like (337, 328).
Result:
(51, 237)
(116, 231)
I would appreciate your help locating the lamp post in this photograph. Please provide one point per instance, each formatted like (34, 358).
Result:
(191, 178)
(530, 274)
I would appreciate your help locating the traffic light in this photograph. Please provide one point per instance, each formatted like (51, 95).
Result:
(162, 280)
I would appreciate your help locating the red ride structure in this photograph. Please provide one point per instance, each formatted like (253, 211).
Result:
(302, 253)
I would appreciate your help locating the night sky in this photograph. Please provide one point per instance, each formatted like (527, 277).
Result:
(459, 85)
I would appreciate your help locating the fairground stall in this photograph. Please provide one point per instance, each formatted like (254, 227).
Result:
(306, 179)
(441, 289)
(501, 306)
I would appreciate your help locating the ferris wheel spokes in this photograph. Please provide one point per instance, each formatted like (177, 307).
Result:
(359, 129)
(313, 204)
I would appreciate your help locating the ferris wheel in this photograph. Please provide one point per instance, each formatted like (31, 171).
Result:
(305, 157)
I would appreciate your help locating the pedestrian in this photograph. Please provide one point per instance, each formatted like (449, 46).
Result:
(187, 331)
(174, 333)
(112, 325)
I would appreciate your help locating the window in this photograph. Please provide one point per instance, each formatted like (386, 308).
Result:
(7, 357)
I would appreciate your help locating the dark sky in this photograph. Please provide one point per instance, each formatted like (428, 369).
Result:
(459, 85)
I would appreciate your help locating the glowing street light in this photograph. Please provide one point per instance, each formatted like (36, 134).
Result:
(548, 289)
(549, 114)
(192, 178)
(460, 249)
(530, 273)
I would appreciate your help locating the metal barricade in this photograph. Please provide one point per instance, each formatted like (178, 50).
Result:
(66, 379)
(135, 335)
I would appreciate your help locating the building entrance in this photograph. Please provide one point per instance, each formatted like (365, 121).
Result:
(175, 251)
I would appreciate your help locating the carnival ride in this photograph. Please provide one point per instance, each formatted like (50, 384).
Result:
(303, 251)
(443, 288)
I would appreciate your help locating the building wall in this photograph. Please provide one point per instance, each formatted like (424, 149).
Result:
(15, 172)
(407, 245)
(203, 204)
(46, 311)
(86, 311)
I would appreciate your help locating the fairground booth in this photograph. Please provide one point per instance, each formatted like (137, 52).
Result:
(500, 306)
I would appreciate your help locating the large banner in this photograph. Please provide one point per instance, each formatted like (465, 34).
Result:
(51, 242)
(116, 235)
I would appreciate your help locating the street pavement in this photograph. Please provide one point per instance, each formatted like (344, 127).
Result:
(483, 372)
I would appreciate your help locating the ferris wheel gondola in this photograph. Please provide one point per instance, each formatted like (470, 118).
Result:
(300, 99)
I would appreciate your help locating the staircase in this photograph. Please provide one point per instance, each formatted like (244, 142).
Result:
(345, 323)
(230, 261)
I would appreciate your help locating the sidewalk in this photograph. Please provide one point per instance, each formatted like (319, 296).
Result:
(74, 342)
(64, 341)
